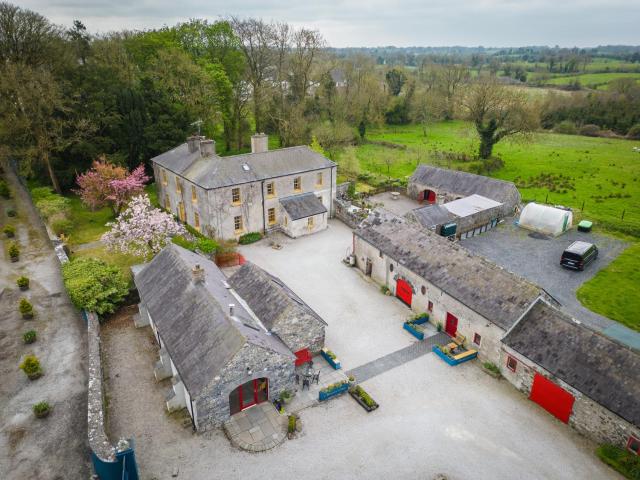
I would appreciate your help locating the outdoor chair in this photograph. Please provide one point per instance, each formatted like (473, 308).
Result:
(316, 377)
(305, 383)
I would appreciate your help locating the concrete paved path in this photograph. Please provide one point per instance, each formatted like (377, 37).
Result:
(397, 358)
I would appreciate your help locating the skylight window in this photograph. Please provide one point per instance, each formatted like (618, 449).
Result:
(245, 167)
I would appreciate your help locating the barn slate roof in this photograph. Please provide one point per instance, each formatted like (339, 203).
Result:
(599, 367)
(268, 296)
(465, 184)
(215, 171)
(495, 293)
(302, 206)
(193, 319)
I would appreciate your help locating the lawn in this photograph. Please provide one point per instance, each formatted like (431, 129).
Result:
(602, 173)
(613, 292)
(593, 79)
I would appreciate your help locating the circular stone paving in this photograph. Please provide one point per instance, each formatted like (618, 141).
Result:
(257, 429)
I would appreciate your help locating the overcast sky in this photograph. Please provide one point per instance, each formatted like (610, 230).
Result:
(343, 23)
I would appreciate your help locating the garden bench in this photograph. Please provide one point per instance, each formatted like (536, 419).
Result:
(466, 354)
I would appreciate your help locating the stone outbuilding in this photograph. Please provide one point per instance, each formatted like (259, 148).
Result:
(466, 294)
(302, 215)
(220, 354)
(462, 218)
(578, 375)
(440, 185)
(281, 311)
(226, 197)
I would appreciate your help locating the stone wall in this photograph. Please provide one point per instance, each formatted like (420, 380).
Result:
(469, 321)
(352, 220)
(212, 405)
(341, 189)
(588, 417)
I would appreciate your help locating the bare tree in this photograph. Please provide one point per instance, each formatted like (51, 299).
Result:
(307, 44)
(498, 112)
(452, 77)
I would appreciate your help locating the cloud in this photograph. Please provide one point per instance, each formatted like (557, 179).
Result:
(378, 22)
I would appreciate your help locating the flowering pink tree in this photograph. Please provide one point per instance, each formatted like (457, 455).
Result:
(108, 184)
(141, 229)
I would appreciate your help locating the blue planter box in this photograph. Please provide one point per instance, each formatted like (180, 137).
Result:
(413, 331)
(334, 363)
(451, 361)
(421, 321)
(336, 391)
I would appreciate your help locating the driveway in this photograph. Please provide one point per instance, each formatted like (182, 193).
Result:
(364, 324)
(55, 447)
(537, 258)
(432, 419)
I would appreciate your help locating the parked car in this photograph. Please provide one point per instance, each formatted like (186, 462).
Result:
(578, 255)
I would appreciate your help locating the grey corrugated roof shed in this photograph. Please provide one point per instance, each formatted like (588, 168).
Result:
(302, 206)
(464, 184)
(268, 296)
(215, 171)
(431, 215)
(600, 368)
(193, 319)
(497, 294)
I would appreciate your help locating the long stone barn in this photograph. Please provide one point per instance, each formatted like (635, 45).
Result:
(580, 376)
(224, 350)
(463, 292)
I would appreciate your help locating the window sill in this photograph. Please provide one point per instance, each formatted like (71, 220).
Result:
(236, 204)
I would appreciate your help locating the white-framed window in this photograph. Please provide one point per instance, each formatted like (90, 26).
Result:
(512, 363)
(235, 196)
(297, 183)
(237, 223)
(271, 189)
(271, 214)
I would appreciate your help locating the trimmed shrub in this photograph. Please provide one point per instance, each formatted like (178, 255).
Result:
(250, 237)
(23, 282)
(634, 132)
(29, 337)
(14, 250)
(11, 212)
(31, 367)
(567, 127)
(4, 189)
(590, 130)
(9, 231)
(207, 245)
(40, 193)
(621, 460)
(291, 426)
(25, 308)
(41, 409)
(94, 285)
(61, 225)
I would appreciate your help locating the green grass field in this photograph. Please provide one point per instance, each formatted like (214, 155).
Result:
(598, 80)
(602, 173)
(613, 292)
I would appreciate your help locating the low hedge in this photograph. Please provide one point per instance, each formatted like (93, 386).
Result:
(492, 367)
(621, 460)
(250, 237)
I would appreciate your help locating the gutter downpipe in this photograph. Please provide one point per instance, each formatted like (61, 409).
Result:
(264, 223)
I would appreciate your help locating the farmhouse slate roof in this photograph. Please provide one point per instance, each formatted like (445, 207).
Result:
(600, 368)
(302, 206)
(193, 319)
(215, 171)
(465, 184)
(495, 293)
(268, 296)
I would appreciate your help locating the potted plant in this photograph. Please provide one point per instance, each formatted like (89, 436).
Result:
(14, 252)
(9, 231)
(285, 397)
(385, 290)
(491, 369)
(363, 398)
(29, 337)
(439, 326)
(31, 367)
(291, 426)
(331, 358)
(332, 390)
(41, 409)
(23, 283)
(26, 309)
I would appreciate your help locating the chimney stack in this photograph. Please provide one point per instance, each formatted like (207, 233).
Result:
(193, 143)
(198, 274)
(207, 148)
(231, 307)
(259, 143)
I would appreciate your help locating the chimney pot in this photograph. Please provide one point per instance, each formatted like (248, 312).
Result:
(198, 274)
(193, 143)
(207, 148)
(259, 143)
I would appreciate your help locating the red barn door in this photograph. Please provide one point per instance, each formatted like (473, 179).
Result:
(552, 397)
(403, 291)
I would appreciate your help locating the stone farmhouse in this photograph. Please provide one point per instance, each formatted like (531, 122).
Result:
(466, 294)
(289, 189)
(462, 218)
(580, 376)
(435, 185)
(221, 354)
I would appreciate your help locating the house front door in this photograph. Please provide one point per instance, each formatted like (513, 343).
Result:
(451, 326)
(368, 267)
(248, 394)
(403, 291)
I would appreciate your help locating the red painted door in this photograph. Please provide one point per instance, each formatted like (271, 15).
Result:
(431, 196)
(302, 357)
(552, 397)
(403, 291)
(451, 326)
